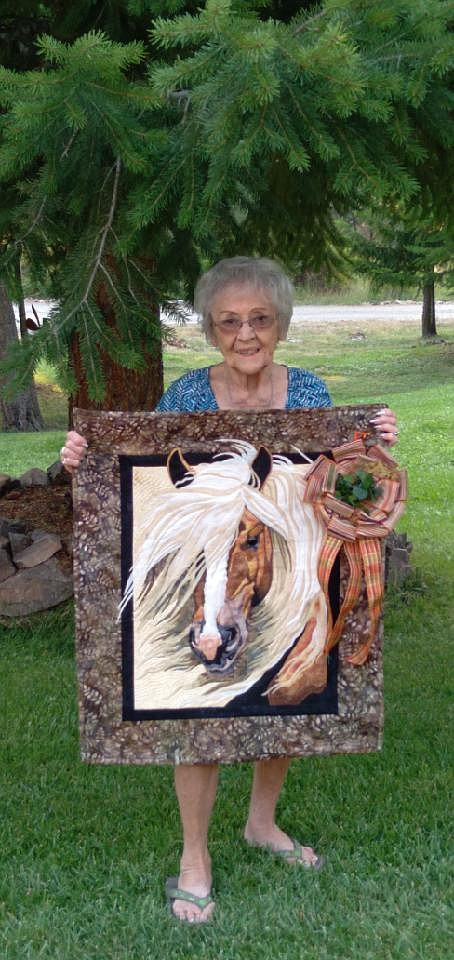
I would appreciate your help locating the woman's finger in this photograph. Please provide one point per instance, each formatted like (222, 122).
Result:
(72, 437)
(385, 423)
(389, 438)
(71, 455)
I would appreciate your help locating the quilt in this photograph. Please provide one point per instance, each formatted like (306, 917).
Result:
(229, 582)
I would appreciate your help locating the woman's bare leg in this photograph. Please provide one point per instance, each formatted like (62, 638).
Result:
(195, 786)
(261, 827)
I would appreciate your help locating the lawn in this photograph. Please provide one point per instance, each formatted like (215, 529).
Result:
(86, 850)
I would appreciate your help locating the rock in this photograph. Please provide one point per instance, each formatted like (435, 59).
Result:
(31, 577)
(30, 591)
(7, 569)
(397, 559)
(5, 480)
(57, 474)
(18, 542)
(7, 484)
(34, 478)
(68, 543)
(38, 552)
(12, 526)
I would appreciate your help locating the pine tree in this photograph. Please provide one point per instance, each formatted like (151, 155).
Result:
(31, 230)
(400, 247)
(234, 131)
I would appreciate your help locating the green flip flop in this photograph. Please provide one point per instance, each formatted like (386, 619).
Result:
(295, 856)
(174, 892)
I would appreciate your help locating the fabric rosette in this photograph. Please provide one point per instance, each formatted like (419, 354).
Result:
(374, 491)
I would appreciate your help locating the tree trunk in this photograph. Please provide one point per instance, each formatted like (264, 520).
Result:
(125, 389)
(23, 413)
(429, 328)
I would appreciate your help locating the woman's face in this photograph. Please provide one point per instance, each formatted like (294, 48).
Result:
(245, 348)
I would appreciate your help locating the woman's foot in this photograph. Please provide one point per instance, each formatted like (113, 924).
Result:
(275, 840)
(194, 881)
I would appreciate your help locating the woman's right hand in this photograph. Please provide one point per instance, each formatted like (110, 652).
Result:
(73, 451)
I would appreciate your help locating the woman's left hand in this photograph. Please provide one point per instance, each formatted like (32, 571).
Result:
(385, 424)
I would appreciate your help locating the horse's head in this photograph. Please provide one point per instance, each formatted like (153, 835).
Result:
(246, 579)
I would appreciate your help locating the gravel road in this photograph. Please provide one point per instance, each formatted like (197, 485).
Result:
(397, 310)
(405, 311)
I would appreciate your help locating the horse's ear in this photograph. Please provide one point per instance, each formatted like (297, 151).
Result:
(179, 469)
(262, 464)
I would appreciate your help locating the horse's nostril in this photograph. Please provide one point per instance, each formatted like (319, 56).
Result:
(227, 651)
(200, 625)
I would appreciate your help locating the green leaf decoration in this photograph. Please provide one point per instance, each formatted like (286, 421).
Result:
(355, 488)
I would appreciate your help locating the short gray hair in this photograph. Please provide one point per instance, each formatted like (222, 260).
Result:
(259, 272)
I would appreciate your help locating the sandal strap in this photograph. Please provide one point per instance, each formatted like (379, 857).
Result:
(296, 853)
(176, 893)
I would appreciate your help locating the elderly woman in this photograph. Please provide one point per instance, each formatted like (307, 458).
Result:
(245, 305)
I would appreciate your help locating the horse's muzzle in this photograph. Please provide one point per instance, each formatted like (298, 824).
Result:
(227, 652)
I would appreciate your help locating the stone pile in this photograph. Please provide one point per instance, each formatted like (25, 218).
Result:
(397, 559)
(32, 578)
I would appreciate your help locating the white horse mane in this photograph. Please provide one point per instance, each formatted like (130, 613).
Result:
(192, 529)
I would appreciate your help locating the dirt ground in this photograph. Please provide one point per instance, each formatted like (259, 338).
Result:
(46, 508)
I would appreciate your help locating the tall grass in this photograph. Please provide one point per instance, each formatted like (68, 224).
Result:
(86, 850)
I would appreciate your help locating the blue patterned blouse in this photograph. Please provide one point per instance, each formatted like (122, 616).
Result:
(192, 393)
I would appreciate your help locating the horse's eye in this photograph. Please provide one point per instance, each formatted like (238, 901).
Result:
(252, 542)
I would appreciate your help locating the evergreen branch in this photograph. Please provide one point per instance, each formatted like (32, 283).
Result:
(308, 22)
(166, 187)
(130, 288)
(116, 291)
(107, 227)
(109, 279)
(409, 30)
(18, 243)
(355, 162)
(89, 352)
(104, 119)
(106, 178)
(68, 146)
(126, 266)
(85, 305)
(105, 232)
(142, 274)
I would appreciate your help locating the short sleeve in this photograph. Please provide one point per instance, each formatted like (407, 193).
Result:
(306, 390)
(191, 393)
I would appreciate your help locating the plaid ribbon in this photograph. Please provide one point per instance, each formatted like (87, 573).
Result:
(357, 531)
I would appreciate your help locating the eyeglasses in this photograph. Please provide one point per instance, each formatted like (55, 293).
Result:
(234, 324)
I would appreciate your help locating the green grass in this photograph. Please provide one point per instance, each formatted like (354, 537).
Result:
(20, 451)
(354, 291)
(86, 850)
(51, 398)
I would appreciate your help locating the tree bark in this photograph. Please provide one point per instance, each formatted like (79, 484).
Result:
(22, 413)
(428, 325)
(125, 389)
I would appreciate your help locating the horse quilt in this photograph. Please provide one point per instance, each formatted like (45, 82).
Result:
(216, 619)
